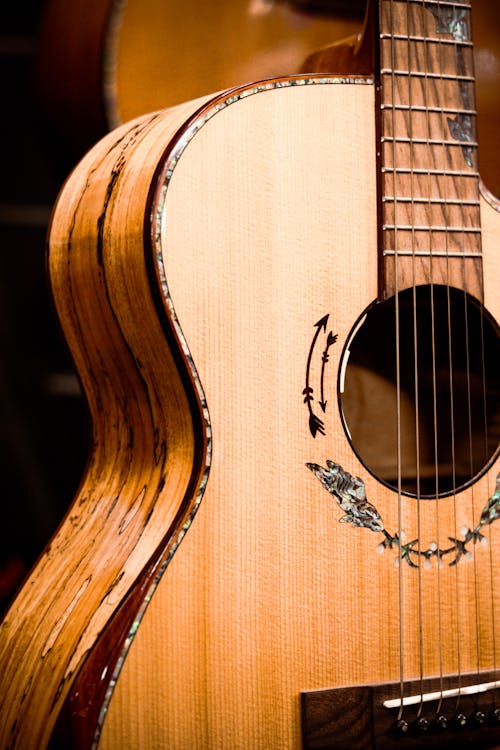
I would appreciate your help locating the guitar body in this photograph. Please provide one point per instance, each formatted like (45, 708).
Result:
(209, 265)
(268, 594)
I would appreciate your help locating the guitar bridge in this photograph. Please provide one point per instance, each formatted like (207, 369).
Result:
(435, 714)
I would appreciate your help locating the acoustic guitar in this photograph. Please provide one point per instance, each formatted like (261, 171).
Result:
(282, 302)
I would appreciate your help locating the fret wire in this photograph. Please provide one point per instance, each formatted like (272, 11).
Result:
(437, 201)
(425, 141)
(398, 403)
(425, 74)
(430, 228)
(449, 3)
(444, 173)
(422, 108)
(433, 254)
(393, 73)
(415, 38)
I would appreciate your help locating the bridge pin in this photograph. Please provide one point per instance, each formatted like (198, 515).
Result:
(422, 725)
(460, 721)
(479, 717)
(441, 723)
(401, 727)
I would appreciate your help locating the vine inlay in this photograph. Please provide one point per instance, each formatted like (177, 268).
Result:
(350, 493)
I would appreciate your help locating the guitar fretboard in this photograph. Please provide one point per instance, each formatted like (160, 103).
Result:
(428, 146)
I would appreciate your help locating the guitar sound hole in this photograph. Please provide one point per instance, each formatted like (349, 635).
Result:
(448, 363)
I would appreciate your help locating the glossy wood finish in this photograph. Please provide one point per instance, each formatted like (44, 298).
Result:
(235, 623)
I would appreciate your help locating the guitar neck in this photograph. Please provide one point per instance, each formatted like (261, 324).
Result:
(429, 181)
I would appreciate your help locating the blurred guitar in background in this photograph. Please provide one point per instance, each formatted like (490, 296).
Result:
(102, 63)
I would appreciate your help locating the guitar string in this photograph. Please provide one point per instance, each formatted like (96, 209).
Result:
(469, 422)
(437, 501)
(456, 592)
(471, 468)
(464, 276)
(471, 105)
(396, 320)
(490, 530)
(429, 75)
(411, 135)
(422, 13)
(472, 493)
(457, 570)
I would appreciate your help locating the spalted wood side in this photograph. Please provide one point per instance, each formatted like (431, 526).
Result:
(145, 428)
